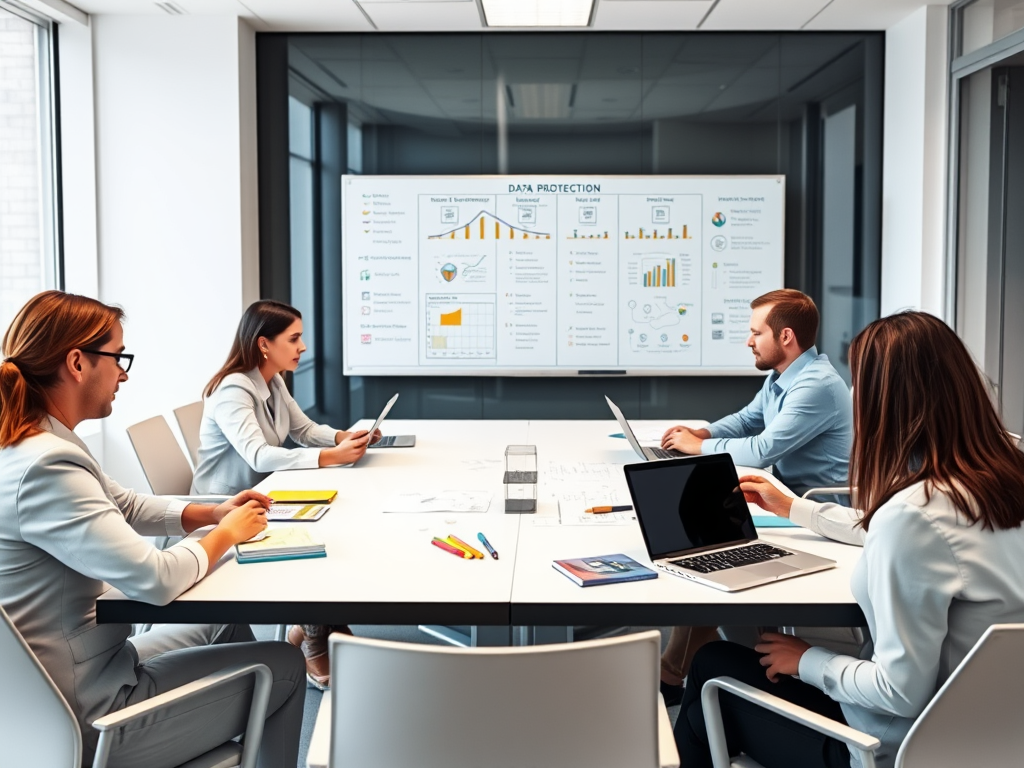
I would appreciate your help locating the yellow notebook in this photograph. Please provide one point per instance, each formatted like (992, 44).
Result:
(303, 497)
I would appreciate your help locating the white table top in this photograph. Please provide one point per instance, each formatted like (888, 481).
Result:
(382, 569)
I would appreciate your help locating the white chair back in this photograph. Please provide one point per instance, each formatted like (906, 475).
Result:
(165, 466)
(976, 714)
(591, 704)
(36, 725)
(189, 418)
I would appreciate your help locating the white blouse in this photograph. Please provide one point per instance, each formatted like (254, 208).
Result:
(930, 583)
(240, 442)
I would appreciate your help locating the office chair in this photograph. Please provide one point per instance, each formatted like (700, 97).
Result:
(974, 716)
(37, 727)
(168, 473)
(592, 704)
(166, 469)
(189, 418)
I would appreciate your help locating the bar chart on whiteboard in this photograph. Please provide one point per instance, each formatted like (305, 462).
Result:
(458, 329)
(556, 275)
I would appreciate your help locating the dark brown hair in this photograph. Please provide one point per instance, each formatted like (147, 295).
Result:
(791, 309)
(36, 345)
(266, 318)
(921, 412)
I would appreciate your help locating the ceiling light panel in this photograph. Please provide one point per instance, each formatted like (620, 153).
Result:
(541, 101)
(538, 13)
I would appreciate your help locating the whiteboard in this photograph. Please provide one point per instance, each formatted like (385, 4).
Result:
(556, 275)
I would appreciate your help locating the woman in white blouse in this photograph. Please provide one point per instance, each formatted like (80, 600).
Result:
(247, 416)
(940, 485)
(249, 413)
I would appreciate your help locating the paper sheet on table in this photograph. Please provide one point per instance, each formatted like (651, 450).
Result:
(572, 503)
(440, 501)
(582, 472)
(475, 465)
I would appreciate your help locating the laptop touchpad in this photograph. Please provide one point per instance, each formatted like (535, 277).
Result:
(773, 569)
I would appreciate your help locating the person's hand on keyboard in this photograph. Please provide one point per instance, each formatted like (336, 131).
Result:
(684, 439)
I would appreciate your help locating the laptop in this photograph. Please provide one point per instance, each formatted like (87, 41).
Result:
(696, 525)
(391, 441)
(648, 454)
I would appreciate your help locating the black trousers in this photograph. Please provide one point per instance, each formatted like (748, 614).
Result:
(771, 740)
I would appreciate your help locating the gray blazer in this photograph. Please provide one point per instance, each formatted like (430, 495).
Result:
(240, 443)
(68, 532)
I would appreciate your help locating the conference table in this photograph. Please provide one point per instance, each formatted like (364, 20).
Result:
(382, 569)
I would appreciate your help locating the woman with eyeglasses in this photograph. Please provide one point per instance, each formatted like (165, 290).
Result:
(248, 414)
(68, 533)
(940, 486)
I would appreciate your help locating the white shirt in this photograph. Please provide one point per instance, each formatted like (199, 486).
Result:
(239, 442)
(930, 583)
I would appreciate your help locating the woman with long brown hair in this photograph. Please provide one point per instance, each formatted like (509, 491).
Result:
(68, 533)
(248, 413)
(940, 489)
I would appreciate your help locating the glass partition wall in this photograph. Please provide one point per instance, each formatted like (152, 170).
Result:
(804, 105)
(986, 242)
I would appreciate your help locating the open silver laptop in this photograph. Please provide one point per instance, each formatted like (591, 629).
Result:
(696, 525)
(391, 441)
(649, 454)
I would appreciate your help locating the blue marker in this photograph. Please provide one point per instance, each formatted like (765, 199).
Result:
(487, 544)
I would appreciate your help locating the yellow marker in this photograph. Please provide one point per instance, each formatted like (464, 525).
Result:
(463, 545)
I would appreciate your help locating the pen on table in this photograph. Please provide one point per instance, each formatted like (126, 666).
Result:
(486, 543)
(449, 548)
(602, 510)
(460, 543)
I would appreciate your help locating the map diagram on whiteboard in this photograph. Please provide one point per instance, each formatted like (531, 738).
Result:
(506, 275)
(460, 328)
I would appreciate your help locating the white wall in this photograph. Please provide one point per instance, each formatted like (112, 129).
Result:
(914, 163)
(175, 111)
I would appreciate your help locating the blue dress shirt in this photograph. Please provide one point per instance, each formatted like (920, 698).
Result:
(801, 421)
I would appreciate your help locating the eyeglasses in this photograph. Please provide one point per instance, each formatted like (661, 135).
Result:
(118, 356)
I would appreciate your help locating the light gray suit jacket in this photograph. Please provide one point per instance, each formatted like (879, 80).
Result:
(68, 532)
(239, 442)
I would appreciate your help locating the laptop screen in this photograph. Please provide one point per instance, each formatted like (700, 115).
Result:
(689, 504)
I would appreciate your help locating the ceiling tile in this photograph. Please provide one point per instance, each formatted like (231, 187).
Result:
(424, 16)
(762, 14)
(866, 14)
(651, 15)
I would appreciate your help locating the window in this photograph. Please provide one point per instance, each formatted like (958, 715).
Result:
(301, 166)
(29, 252)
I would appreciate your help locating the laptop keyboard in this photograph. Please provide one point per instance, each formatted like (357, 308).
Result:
(731, 558)
(662, 453)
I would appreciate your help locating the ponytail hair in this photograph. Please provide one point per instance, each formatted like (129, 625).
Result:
(35, 347)
(266, 318)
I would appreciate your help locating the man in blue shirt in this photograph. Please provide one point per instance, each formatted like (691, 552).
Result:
(801, 422)
(802, 419)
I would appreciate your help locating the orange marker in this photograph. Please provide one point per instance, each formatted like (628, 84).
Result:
(463, 545)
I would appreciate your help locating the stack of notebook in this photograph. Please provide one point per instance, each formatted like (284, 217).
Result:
(280, 543)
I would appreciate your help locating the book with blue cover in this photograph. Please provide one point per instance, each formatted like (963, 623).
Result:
(605, 569)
